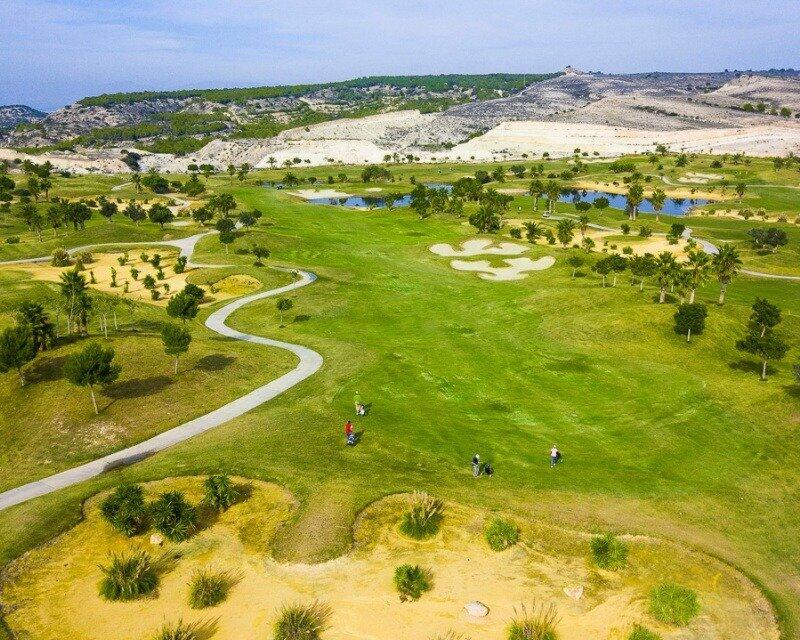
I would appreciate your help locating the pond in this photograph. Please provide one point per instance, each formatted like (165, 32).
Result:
(375, 202)
(672, 206)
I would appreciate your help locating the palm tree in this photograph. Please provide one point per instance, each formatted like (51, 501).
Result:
(564, 230)
(536, 190)
(726, 264)
(137, 180)
(553, 190)
(635, 196)
(583, 224)
(667, 268)
(74, 289)
(698, 266)
(657, 200)
(533, 231)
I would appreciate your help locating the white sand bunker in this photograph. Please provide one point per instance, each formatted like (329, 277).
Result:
(516, 269)
(478, 247)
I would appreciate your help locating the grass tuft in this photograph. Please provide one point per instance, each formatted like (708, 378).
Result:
(302, 622)
(537, 624)
(173, 516)
(411, 581)
(128, 577)
(424, 516)
(673, 603)
(609, 552)
(640, 633)
(208, 589)
(125, 510)
(501, 534)
(220, 492)
(178, 631)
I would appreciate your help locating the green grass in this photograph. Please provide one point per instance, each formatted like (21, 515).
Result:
(673, 604)
(609, 552)
(501, 534)
(423, 517)
(538, 623)
(659, 437)
(128, 577)
(411, 581)
(208, 589)
(302, 622)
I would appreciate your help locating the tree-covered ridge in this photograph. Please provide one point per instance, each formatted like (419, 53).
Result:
(484, 84)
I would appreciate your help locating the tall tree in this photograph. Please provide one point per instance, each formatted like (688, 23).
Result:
(176, 339)
(536, 191)
(726, 264)
(565, 229)
(689, 319)
(666, 269)
(767, 347)
(635, 197)
(643, 267)
(90, 367)
(552, 189)
(764, 317)
(17, 348)
(33, 316)
(160, 214)
(183, 306)
(657, 200)
(75, 290)
(698, 266)
(284, 304)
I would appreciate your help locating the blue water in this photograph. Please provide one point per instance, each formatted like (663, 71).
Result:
(672, 206)
(376, 202)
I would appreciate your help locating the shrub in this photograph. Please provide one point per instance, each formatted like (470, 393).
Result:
(501, 534)
(515, 232)
(124, 509)
(12, 240)
(411, 581)
(173, 517)
(208, 589)
(302, 622)
(60, 258)
(640, 633)
(609, 552)
(220, 493)
(128, 577)
(673, 604)
(424, 516)
(538, 624)
(179, 631)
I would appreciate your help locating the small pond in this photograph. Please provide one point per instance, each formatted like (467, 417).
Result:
(376, 202)
(672, 206)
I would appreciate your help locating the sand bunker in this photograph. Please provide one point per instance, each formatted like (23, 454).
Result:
(516, 269)
(51, 593)
(308, 194)
(700, 178)
(479, 247)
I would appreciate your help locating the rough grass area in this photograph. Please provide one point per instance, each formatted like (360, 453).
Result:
(501, 534)
(673, 603)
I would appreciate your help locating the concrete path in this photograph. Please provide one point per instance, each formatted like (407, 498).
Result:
(309, 363)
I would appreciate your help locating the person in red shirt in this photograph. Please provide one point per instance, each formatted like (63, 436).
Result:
(348, 432)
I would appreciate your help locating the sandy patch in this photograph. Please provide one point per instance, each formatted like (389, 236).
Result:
(516, 269)
(308, 194)
(171, 284)
(700, 178)
(52, 593)
(374, 189)
(478, 247)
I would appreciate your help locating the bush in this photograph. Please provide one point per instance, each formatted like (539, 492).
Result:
(173, 517)
(609, 552)
(673, 604)
(208, 589)
(128, 577)
(220, 493)
(424, 516)
(60, 258)
(501, 534)
(12, 240)
(640, 633)
(411, 581)
(125, 511)
(538, 624)
(179, 631)
(302, 622)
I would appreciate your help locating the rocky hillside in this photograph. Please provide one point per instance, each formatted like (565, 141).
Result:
(13, 115)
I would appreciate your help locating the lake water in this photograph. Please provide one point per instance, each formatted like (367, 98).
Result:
(672, 206)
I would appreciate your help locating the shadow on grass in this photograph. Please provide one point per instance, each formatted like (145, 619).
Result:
(214, 362)
(751, 366)
(792, 390)
(137, 388)
(45, 369)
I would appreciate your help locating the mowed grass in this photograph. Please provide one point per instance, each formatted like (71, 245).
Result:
(49, 424)
(658, 436)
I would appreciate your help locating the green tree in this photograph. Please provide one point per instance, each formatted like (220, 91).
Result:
(160, 214)
(643, 267)
(690, 318)
(536, 191)
(602, 268)
(565, 229)
(767, 347)
(552, 189)
(90, 367)
(533, 231)
(698, 266)
(261, 253)
(227, 238)
(75, 290)
(764, 317)
(176, 339)
(666, 268)
(635, 197)
(17, 348)
(202, 215)
(657, 200)
(33, 316)
(575, 261)
(183, 306)
(726, 264)
(583, 224)
(740, 189)
(284, 304)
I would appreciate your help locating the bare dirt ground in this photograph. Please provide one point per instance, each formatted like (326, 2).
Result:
(51, 593)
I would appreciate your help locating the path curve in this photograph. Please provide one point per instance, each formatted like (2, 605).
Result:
(309, 363)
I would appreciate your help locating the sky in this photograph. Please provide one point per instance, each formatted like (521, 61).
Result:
(53, 52)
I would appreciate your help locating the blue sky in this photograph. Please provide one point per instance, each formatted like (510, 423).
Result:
(53, 52)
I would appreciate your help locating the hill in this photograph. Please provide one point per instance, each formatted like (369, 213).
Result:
(13, 115)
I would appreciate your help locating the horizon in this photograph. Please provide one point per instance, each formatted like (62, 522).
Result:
(159, 46)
